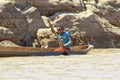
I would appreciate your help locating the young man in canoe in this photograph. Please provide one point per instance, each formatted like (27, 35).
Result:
(64, 38)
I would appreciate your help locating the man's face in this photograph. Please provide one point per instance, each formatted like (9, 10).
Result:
(60, 30)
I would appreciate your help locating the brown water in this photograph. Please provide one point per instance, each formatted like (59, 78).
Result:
(98, 64)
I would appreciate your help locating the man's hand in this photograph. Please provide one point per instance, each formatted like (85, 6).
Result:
(51, 26)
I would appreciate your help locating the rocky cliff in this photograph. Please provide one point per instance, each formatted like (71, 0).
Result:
(95, 22)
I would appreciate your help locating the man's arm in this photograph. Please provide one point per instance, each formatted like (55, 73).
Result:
(51, 26)
(69, 42)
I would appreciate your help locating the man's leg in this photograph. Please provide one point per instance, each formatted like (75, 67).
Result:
(66, 51)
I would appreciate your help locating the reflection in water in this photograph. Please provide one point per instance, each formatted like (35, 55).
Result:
(98, 64)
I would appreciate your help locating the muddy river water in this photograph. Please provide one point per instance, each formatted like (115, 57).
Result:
(98, 64)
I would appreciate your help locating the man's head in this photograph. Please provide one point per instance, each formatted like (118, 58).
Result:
(60, 29)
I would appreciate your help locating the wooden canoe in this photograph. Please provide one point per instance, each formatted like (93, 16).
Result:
(30, 51)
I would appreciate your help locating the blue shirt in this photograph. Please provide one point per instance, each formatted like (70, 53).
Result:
(65, 38)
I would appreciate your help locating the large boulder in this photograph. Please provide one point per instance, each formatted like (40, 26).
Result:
(8, 43)
(115, 3)
(34, 21)
(90, 28)
(46, 38)
(112, 14)
(109, 9)
(7, 34)
(13, 19)
(85, 28)
(49, 7)
(22, 19)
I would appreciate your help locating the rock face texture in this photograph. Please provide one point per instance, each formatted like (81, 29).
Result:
(96, 22)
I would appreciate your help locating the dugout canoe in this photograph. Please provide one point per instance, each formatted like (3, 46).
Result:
(30, 51)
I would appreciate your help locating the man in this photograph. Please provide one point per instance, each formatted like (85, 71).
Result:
(64, 38)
